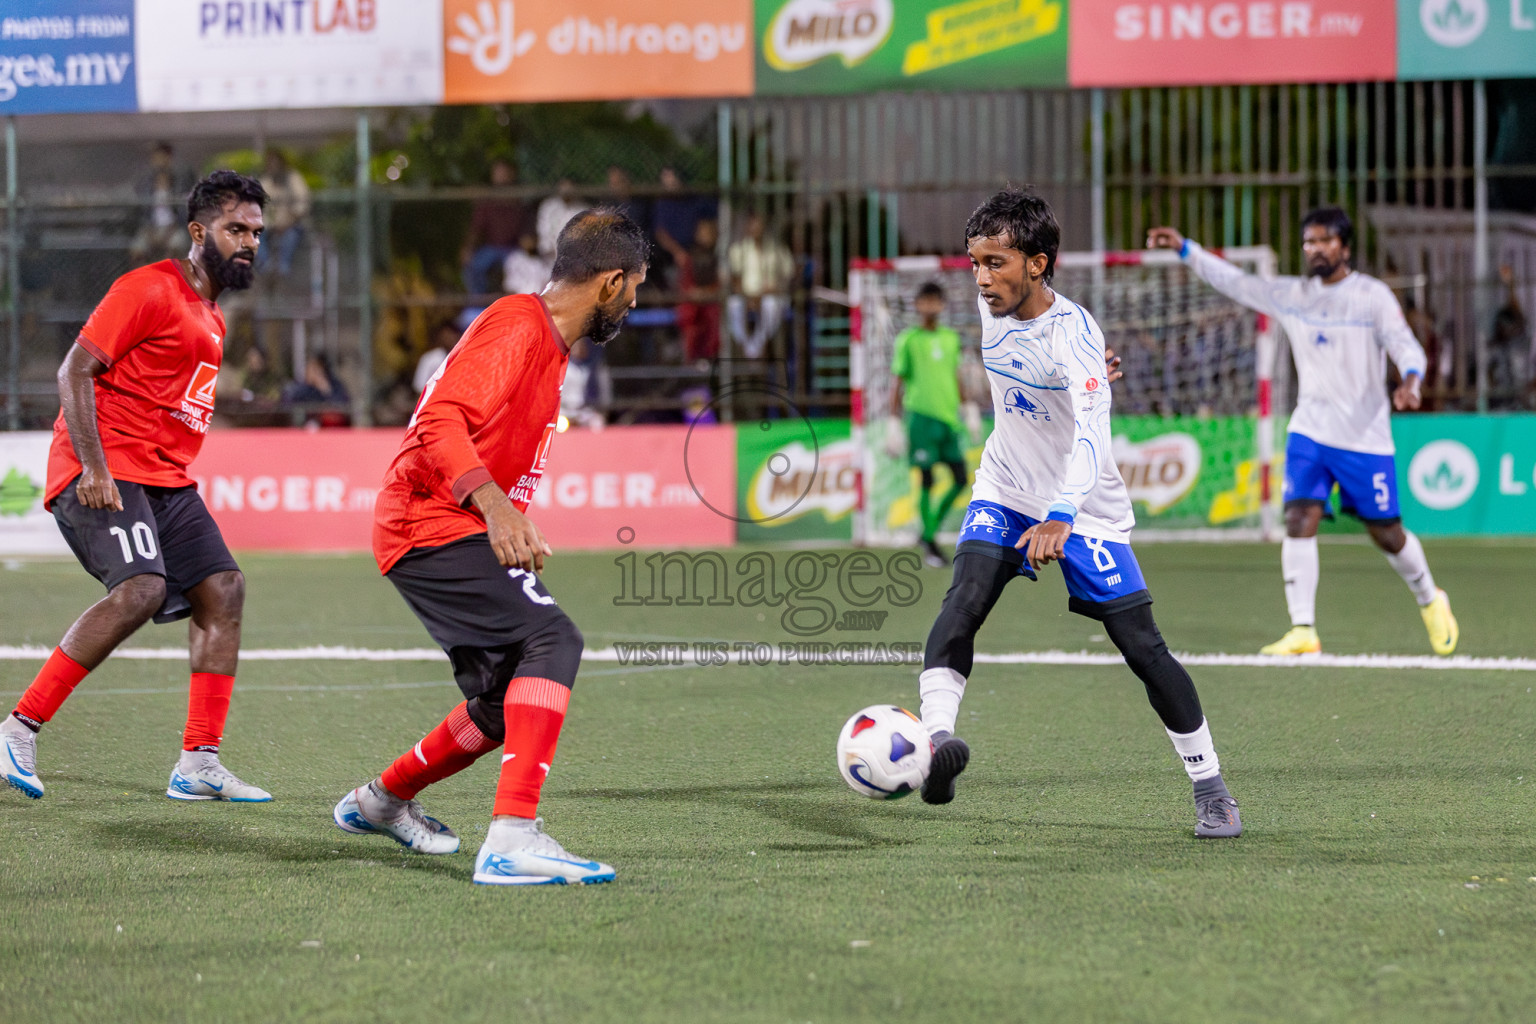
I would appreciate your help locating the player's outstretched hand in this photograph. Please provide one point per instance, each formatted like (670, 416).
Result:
(1405, 397)
(1045, 542)
(517, 542)
(1165, 238)
(1112, 365)
(97, 489)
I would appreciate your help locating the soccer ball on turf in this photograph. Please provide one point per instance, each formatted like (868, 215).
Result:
(884, 752)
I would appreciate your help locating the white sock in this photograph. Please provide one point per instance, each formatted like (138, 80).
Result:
(509, 833)
(941, 690)
(1298, 565)
(196, 760)
(1197, 752)
(1413, 567)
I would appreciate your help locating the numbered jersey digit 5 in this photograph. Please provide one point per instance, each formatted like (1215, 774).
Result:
(166, 531)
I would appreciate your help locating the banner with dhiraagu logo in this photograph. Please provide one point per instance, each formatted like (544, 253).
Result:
(526, 51)
(1139, 43)
(240, 55)
(1466, 39)
(846, 46)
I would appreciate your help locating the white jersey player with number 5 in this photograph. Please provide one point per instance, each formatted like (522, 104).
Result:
(1049, 491)
(1342, 326)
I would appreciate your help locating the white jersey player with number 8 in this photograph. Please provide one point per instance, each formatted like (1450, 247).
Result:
(1342, 326)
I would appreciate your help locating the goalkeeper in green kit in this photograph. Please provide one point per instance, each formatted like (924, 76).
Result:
(926, 364)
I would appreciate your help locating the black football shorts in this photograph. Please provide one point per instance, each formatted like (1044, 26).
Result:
(494, 623)
(164, 531)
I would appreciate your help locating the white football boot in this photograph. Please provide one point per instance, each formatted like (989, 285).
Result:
(200, 776)
(521, 854)
(365, 812)
(18, 757)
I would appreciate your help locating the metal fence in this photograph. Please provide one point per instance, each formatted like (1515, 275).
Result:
(871, 176)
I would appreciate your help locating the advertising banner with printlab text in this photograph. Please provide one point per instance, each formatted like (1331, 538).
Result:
(292, 490)
(249, 54)
(1199, 42)
(66, 56)
(1466, 38)
(526, 51)
(845, 46)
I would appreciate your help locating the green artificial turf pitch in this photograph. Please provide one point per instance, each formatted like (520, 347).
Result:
(1386, 873)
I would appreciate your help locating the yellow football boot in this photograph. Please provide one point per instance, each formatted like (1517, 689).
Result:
(1300, 640)
(1441, 624)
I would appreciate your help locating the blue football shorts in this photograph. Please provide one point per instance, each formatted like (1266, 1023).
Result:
(1367, 483)
(1102, 576)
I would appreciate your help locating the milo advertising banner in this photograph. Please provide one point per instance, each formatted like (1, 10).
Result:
(1460, 474)
(26, 528)
(847, 46)
(797, 479)
(1186, 473)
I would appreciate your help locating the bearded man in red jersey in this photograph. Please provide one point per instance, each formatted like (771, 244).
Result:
(450, 534)
(136, 395)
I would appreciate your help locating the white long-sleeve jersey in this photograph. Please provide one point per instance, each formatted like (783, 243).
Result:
(1341, 335)
(1049, 449)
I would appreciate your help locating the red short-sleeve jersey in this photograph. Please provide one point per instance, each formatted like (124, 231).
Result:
(488, 415)
(162, 343)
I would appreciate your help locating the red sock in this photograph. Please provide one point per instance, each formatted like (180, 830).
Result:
(207, 707)
(454, 745)
(57, 680)
(535, 713)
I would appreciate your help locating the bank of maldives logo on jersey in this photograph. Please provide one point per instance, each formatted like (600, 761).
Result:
(197, 403)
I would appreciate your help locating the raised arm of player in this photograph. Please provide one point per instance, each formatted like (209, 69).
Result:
(1079, 350)
(77, 399)
(1394, 335)
(1257, 293)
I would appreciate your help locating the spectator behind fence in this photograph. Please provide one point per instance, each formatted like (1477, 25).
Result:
(675, 215)
(444, 336)
(494, 228)
(259, 381)
(554, 213)
(1510, 380)
(320, 385)
(760, 271)
(287, 213)
(163, 188)
(525, 271)
(698, 280)
(622, 196)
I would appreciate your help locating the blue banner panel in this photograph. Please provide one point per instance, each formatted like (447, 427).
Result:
(66, 56)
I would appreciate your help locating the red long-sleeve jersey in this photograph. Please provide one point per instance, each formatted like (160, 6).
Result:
(488, 415)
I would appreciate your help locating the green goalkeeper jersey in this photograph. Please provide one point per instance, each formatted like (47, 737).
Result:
(928, 363)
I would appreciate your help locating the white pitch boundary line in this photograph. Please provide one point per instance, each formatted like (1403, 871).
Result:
(608, 654)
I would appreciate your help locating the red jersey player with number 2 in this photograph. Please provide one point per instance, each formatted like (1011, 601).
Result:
(136, 394)
(450, 534)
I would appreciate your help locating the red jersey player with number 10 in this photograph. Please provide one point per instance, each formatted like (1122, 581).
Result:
(136, 395)
(450, 534)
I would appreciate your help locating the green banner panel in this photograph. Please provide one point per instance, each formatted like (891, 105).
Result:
(797, 479)
(1187, 472)
(1461, 474)
(847, 46)
(1438, 39)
